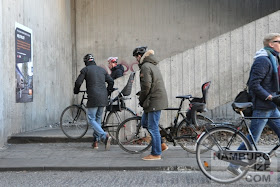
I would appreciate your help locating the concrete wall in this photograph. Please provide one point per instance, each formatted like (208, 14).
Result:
(225, 60)
(64, 30)
(115, 27)
(50, 22)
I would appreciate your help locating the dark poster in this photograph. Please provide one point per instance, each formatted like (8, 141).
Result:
(24, 64)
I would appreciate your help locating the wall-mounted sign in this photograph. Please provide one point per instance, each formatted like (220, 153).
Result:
(24, 63)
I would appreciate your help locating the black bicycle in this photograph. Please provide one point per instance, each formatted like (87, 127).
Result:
(133, 138)
(222, 141)
(73, 120)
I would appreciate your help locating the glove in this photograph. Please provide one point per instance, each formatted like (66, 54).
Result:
(276, 100)
(76, 91)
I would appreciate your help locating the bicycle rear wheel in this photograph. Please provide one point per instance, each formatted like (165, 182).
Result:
(190, 133)
(132, 137)
(114, 119)
(73, 122)
(220, 138)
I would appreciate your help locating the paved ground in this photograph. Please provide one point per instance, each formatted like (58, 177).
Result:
(33, 151)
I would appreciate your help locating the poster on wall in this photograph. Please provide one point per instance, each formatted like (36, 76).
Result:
(24, 63)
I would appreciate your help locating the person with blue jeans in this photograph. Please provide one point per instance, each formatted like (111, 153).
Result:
(152, 97)
(263, 85)
(96, 79)
(94, 116)
(150, 121)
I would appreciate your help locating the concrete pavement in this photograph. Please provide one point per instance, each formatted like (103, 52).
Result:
(50, 149)
(33, 151)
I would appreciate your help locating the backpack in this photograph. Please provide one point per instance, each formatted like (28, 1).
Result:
(244, 97)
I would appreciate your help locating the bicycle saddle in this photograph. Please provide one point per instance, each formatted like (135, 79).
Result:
(184, 96)
(241, 106)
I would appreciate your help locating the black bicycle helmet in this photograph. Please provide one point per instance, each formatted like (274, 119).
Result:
(88, 58)
(139, 50)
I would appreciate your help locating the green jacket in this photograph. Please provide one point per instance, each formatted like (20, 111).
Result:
(153, 96)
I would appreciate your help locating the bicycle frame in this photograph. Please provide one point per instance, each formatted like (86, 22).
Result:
(178, 114)
(192, 119)
(253, 155)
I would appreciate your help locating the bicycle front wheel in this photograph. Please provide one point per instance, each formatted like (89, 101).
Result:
(187, 134)
(211, 163)
(132, 137)
(73, 122)
(114, 119)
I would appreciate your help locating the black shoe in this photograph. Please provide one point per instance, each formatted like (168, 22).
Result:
(108, 142)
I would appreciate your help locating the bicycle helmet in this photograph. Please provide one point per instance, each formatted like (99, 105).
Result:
(88, 58)
(113, 59)
(139, 50)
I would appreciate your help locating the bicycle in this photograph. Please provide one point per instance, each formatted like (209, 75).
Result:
(73, 120)
(224, 140)
(133, 138)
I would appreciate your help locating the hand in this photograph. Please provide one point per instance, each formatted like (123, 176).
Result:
(269, 98)
(76, 91)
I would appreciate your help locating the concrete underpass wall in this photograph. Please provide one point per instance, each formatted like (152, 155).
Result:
(50, 22)
(225, 61)
(114, 28)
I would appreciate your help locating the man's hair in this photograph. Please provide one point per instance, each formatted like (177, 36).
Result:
(269, 37)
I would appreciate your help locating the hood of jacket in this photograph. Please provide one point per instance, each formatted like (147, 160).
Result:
(148, 57)
(263, 52)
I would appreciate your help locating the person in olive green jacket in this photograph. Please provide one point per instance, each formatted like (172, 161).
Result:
(152, 97)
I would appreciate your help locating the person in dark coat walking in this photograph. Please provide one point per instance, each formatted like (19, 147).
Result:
(117, 70)
(96, 79)
(263, 85)
(152, 97)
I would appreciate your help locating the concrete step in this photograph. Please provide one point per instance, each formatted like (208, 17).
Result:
(46, 135)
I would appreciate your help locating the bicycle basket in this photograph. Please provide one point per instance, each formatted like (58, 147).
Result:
(113, 108)
(116, 107)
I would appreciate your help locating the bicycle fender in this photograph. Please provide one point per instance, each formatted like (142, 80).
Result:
(198, 139)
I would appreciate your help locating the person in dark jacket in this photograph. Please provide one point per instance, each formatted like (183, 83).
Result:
(263, 85)
(96, 79)
(117, 70)
(152, 97)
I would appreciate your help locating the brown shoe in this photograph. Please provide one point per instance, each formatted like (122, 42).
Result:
(164, 147)
(95, 145)
(152, 157)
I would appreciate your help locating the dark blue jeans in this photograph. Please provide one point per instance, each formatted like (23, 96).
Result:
(257, 125)
(150, 120)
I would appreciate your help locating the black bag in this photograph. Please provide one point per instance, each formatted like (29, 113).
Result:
(244, 97)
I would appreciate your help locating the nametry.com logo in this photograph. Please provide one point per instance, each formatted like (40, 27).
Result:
(263, 177)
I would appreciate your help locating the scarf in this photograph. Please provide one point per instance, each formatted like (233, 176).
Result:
(273, 60)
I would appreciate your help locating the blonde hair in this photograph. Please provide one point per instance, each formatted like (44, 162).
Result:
(267, 39)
